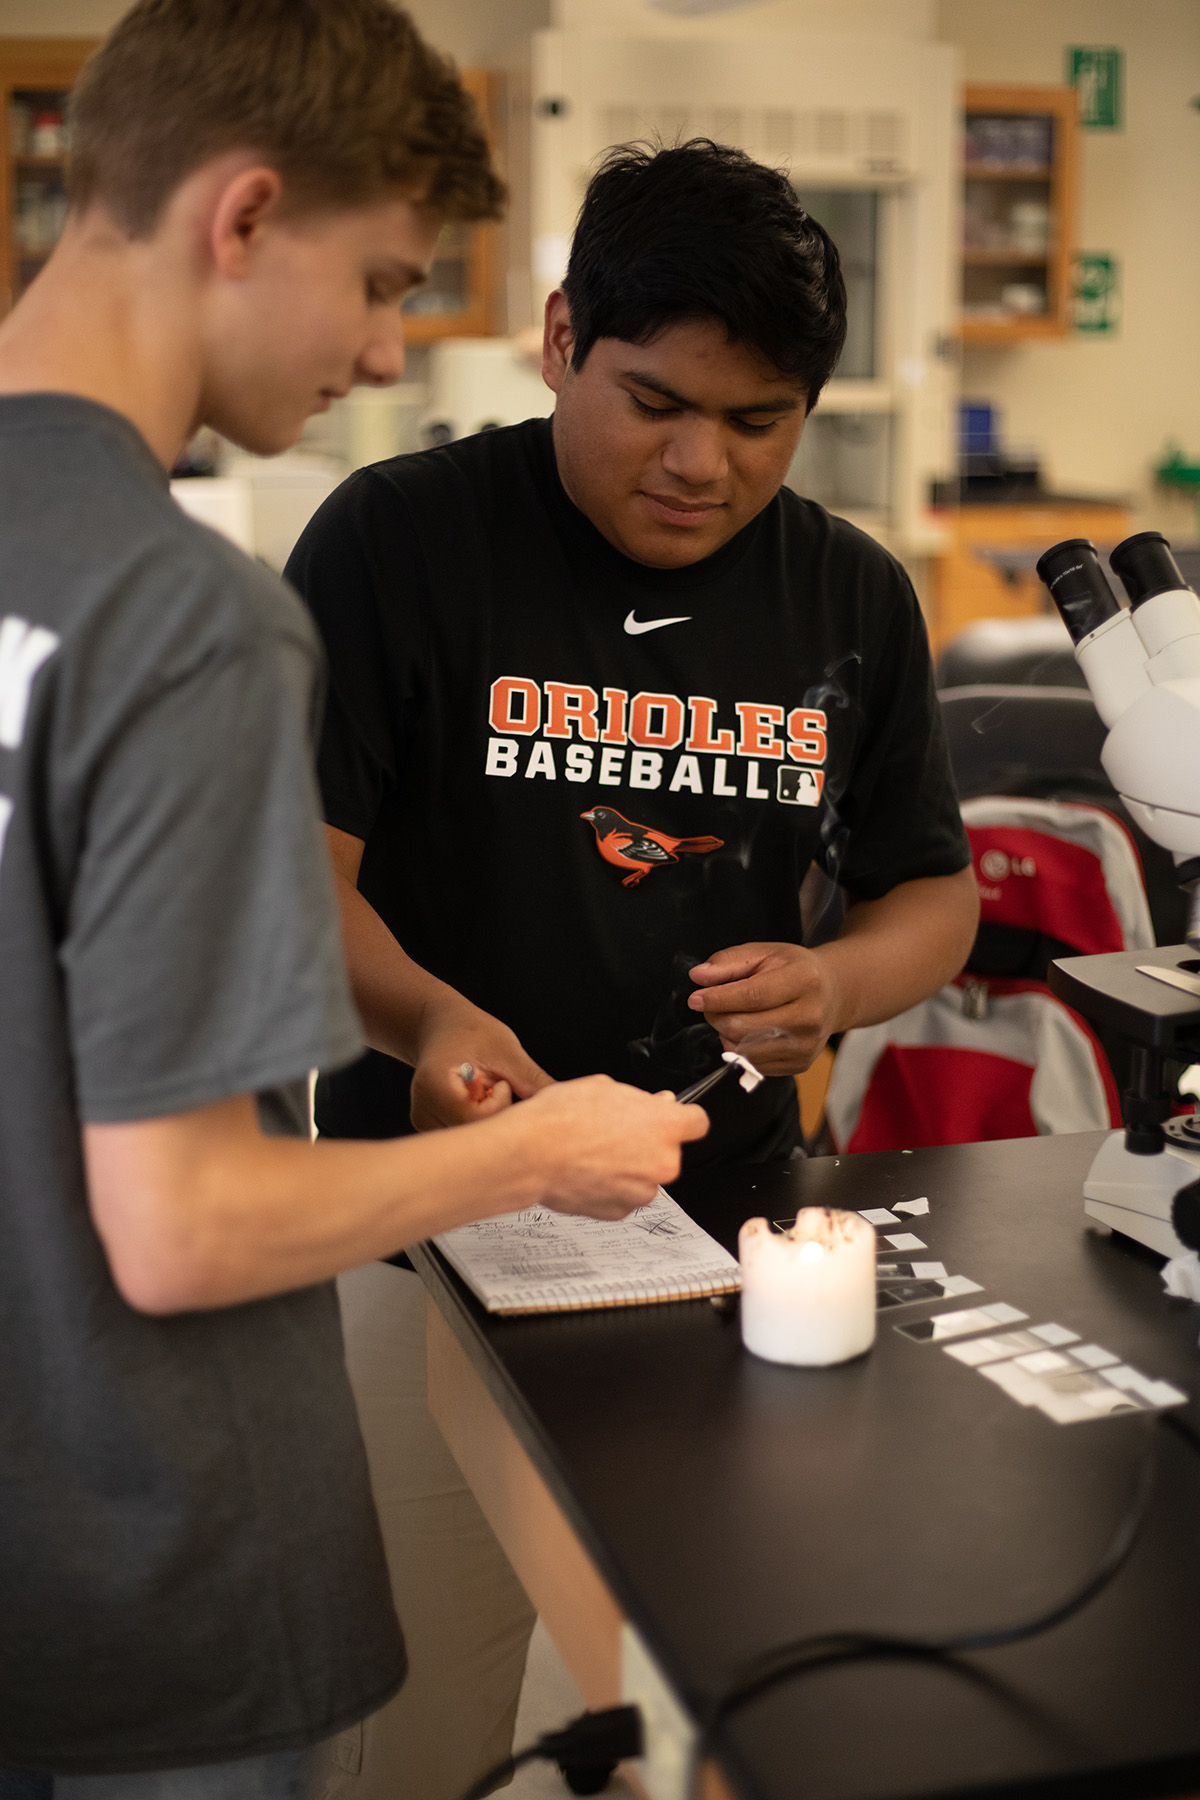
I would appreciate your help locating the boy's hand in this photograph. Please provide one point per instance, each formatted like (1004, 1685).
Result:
(464, 1037)
(610, 1147)
(774, 1002)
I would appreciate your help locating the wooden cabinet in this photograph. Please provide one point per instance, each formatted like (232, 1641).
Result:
(987, 569)
(1019, 187)
(461, 297)
(36, 75)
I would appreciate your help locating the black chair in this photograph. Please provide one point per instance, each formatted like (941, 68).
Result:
(1033, 652)
(1045, 742)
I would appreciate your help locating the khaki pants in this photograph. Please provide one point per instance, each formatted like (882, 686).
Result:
(466, 1619)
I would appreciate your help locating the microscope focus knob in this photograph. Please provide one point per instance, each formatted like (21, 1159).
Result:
(1185, 1215)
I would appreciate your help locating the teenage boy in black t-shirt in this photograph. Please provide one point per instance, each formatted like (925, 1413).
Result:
(602, 690)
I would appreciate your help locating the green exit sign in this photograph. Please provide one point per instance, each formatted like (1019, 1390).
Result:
(1095, 71)
(1096, 291)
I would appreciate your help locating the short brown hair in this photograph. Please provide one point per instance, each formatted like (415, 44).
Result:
(343, 97)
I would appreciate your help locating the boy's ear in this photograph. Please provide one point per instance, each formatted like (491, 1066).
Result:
(558, 340)
(244, 205)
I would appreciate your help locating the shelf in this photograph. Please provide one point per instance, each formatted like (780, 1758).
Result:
(1012, 259)
(1013, 330)
(1008, 171)
(41, 162)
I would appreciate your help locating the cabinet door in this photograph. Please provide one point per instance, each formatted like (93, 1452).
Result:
(1018, 213)
(460, 298)
(988, 567)
(36, 76)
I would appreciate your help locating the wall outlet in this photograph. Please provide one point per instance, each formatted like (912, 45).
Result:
(665, 1766)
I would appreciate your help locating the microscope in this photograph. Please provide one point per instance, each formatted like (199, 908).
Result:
(1142, 664)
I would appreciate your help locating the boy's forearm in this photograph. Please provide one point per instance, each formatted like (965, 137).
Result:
(212, 1212)
(894, 951)
(202, 1210)
(396, 998)
(780, 1003)
(411, 1015)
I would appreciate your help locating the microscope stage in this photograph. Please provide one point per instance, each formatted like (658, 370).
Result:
(1111, 992)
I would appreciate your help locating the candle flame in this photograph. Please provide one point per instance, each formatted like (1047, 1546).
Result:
(811, 1252)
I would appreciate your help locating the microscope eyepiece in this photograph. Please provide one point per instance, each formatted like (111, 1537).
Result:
(1078, 586)
(1146, 567)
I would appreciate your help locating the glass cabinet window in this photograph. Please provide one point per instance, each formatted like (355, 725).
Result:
(851, 217)
(37, 144)
(844, 461)
(1008, 216)
(448, 287)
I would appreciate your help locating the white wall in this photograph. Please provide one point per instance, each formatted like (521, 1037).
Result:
(747, 18)
(1101, 409)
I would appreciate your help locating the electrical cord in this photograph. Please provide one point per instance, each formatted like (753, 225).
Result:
(598, 1740)
(602, 1739)
(786, 1662)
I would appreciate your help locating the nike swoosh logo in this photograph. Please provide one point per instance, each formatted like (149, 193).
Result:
(635, 627)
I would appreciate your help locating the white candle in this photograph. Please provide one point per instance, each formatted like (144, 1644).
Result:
(808, 1295)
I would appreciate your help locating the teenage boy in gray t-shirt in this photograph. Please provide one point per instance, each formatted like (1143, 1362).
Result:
(193, 1587)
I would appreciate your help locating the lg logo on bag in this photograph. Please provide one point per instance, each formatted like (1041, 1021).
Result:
(997, 864)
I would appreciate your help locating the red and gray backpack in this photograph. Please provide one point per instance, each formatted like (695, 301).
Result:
(994, 1054)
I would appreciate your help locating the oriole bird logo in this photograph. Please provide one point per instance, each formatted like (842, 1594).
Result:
(638, 848)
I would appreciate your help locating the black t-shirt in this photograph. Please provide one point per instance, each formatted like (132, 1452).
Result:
(577, 777)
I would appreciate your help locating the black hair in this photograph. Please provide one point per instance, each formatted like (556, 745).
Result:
(702, 231)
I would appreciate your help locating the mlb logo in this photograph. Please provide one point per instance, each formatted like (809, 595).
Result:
(799, 787)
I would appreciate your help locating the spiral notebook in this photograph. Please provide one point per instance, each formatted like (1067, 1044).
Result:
(540, 1261)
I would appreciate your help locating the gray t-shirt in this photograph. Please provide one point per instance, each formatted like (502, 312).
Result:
(190, 1566)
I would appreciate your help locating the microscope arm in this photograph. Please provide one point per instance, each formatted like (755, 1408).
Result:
(1142, 665)
(1152, 758)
